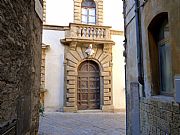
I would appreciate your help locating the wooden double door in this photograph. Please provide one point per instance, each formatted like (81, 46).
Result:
(88, 88)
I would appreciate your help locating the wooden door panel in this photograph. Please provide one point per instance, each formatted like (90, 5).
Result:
(88, 93)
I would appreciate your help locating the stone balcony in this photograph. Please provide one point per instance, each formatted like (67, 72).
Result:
(87, 33)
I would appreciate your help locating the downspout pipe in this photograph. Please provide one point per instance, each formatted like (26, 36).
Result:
(139, 44)
(140, 64)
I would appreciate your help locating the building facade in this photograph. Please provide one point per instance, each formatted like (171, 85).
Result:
(152, 66)
(84, 64)
(20, 58)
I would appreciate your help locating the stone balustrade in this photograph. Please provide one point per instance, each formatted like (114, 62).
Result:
(88, 32)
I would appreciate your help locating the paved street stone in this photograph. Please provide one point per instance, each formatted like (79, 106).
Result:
(82, 123)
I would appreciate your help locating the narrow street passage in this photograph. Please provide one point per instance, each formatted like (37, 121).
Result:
(82, 123)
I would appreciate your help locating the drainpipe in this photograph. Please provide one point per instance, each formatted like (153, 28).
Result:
(139, 45)
(136, 127)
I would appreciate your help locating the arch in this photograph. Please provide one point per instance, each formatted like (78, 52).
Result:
(88, 3)
(93, 66)
(95, 61)
(160, 54)
(96, 1)
(156, 24)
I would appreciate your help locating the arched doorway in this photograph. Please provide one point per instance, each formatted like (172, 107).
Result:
(88, 86)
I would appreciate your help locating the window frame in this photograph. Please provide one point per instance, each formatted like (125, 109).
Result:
(88, 8)
(164, 42)
(158, 38)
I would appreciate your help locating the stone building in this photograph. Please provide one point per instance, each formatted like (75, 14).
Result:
(20, 57)
(84, 64)
(152, 66)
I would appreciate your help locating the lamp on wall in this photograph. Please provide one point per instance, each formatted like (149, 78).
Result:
(89, 51)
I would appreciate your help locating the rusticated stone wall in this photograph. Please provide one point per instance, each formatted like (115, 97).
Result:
(43, 63)
(74, 56)
(159, 117)
(44, 11)
(20, 58)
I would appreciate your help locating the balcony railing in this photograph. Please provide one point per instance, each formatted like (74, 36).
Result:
(88, 32)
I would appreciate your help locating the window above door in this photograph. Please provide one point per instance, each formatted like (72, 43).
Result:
(88, 12)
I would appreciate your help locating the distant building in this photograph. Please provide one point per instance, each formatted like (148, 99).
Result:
(74, 78)
(152, 29)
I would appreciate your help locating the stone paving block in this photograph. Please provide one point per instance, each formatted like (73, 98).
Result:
(84, 123)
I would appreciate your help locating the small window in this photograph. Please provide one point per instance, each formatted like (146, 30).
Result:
(88, 12)
(160, 55)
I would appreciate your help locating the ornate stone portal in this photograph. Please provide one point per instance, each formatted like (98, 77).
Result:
(75, 54)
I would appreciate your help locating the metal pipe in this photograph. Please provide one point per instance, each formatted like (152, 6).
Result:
(139, 44)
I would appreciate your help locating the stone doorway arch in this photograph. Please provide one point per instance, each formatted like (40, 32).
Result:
(88, 86)
(74, 56)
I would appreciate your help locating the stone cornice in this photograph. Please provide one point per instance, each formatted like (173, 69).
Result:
(117, 32)
(44, 46)
(68, 40)
(55, 27)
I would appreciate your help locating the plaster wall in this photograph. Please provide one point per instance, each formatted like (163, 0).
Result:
(171, 8)
(59, 12)
(132, 71)
(159, 114)
(160, 103)
(113, 14)
(131, 60)
(54, 71)
(118, 73)
(58, 9)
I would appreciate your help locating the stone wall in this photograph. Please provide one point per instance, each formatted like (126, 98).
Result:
(159, 117)
(44, 11)
(148, 12)
(20, 58)
(43, 64)
(159, 114)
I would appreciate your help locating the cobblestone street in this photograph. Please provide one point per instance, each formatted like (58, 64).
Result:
(82, 123)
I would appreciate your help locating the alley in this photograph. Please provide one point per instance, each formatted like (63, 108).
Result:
(82, 123)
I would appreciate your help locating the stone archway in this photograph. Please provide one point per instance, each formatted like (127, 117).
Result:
(88, 86)
(74, 56)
